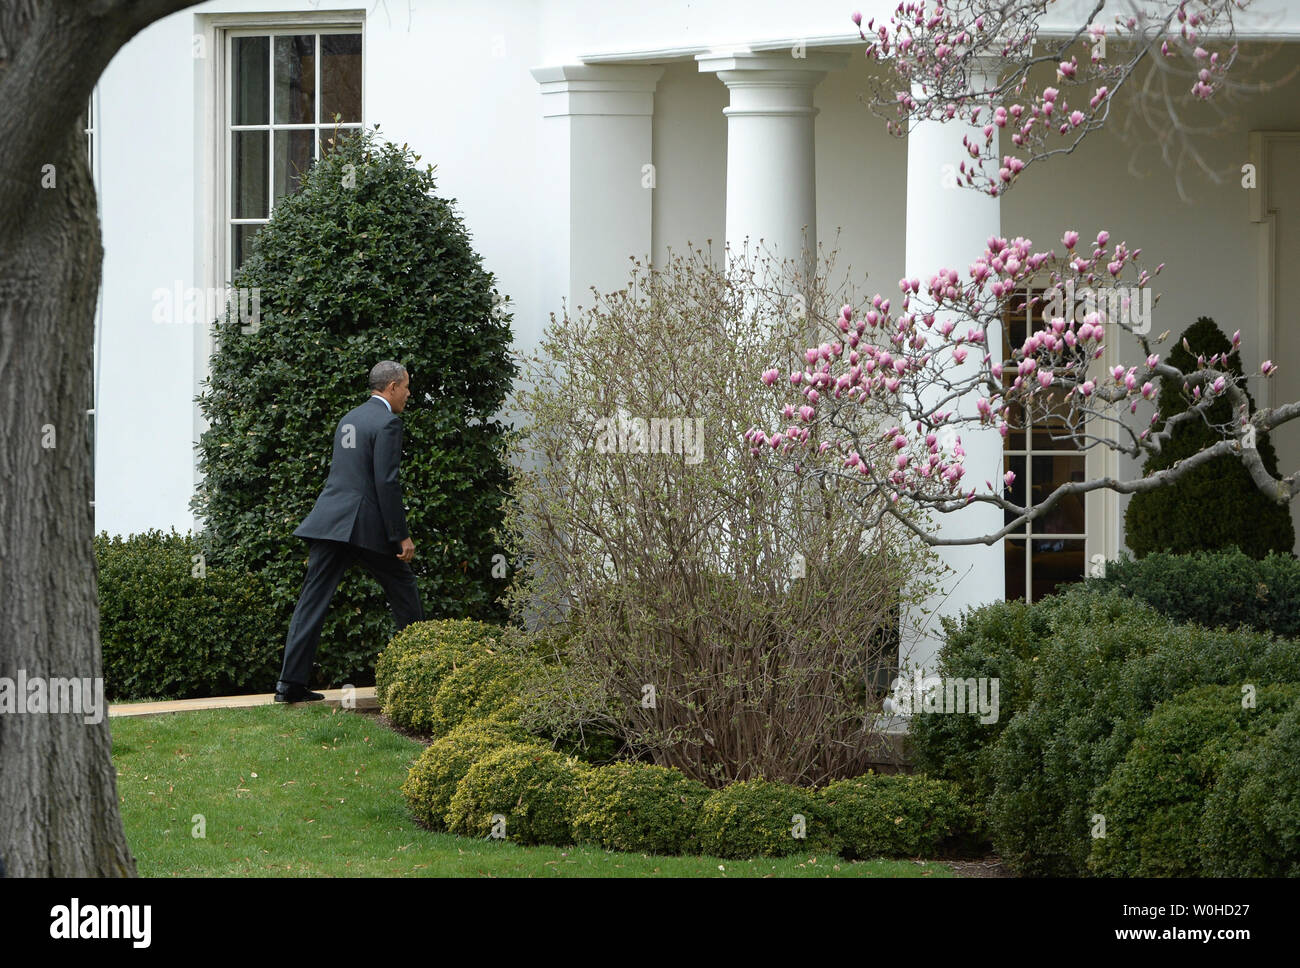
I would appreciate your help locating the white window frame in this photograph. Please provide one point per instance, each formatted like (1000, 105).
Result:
(1101, 515)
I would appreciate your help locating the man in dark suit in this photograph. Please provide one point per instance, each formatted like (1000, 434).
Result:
(358, 516)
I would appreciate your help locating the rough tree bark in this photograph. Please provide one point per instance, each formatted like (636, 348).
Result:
(58, 801)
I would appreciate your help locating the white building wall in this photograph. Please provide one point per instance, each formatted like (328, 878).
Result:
(454, 81)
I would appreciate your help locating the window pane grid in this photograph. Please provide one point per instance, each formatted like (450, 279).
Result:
(1038, 561)
(287, 154)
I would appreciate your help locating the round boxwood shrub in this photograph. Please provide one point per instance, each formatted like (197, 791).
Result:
(450, 640)
(362, 263)
(414, 674)
(1251, 824)
(897, 816)
(633, 806)
(533, 788)
(1154, 799)
(755, 818)
(1216, 588)
(173, 627)
(1216, 505)
(477, 689)
(1096, 684)
(432, 781)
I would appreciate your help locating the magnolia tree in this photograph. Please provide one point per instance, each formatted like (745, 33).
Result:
(919, 363)
(977, 61)
(936, 358)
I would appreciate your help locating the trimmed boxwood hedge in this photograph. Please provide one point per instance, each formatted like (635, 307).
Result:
(432, 781)
(1154, 800)
(633, 806)
(410, 672)
(898, 816)
(167, 634)
(755, 818)
(532, 787)
(488, 763)
(448, 641)
(1214, 588)
(478, 688)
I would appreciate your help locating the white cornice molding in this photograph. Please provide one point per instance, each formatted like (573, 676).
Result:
(852, 40)
(779, 61)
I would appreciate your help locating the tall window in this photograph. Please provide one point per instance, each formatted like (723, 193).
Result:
(1050, 551)
(289, 90)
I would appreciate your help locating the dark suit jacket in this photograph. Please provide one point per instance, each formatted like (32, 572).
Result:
(362, 500)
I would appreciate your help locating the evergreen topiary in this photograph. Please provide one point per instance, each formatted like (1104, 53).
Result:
(362, 263)
(1216, 505)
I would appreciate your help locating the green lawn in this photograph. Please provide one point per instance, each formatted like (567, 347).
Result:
(310, 791)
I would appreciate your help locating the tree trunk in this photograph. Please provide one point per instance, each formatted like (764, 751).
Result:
(58, 799)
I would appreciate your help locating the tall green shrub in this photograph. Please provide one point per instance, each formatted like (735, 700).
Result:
(362, 263)
(1216, 505)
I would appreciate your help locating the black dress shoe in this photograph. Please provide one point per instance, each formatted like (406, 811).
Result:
(298, 694)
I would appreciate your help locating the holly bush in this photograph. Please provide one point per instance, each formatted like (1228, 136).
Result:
(364, 262)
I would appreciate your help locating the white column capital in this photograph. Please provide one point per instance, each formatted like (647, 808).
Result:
(773, 83)
(597, 89)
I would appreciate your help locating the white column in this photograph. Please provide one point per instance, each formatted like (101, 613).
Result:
(948, 227)
(771, 175)
(596, 177)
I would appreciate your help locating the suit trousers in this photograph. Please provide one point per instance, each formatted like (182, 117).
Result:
(327, 561)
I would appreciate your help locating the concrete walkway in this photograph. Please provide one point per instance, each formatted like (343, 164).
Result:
(362, 698)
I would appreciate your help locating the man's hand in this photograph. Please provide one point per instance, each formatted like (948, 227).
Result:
(408, 550)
